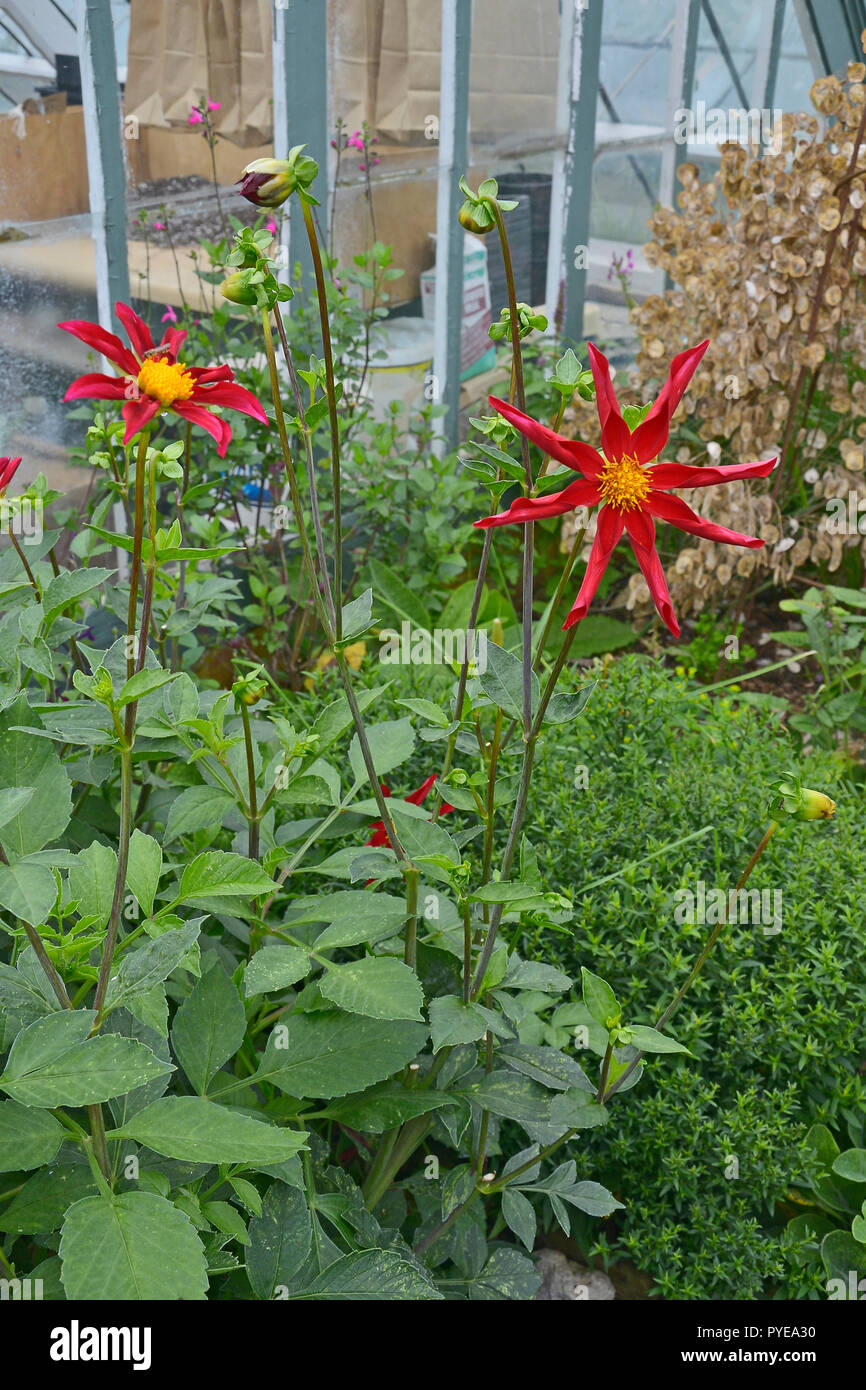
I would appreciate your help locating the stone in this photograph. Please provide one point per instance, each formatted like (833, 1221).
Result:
(565, 1279)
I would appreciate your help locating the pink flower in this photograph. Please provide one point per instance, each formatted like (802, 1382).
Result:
(169, 316)
(159, 226)
(271, 227)
(214, 105)
(195, 116)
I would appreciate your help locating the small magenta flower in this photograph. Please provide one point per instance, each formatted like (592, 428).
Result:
(195, 117)
(271, 226)
(214, 105)
(169, 316)
(159, 226)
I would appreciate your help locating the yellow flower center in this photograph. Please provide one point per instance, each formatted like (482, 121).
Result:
(165, 381)
(624, 483)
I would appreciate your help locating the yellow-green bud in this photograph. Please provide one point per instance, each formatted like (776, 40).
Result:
(792, 799)
(269, 182)
(235, 288)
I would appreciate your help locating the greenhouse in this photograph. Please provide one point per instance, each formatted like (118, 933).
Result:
(432, 716)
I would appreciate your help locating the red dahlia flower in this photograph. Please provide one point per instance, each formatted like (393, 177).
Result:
(8, 469)
(379, 836)
(153, 379)
(630, 494)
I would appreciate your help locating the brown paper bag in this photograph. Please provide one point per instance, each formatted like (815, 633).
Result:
(182, 52)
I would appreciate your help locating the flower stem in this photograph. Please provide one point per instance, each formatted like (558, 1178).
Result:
(411, 947)
(520, 805)
(253, 840)
(702, 958)
(328, 354)
(326, 605)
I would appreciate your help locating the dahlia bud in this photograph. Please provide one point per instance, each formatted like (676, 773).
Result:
(269, 182)
(8, 469)
(236, 289)
(799, 802)
(474, 217)
(527, 320)
(477, 213)
(248, 691)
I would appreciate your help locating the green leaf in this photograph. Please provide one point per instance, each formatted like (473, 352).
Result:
(143, 683)
(336, 718)
(197, 808)
(13, 800)
(427, 710)
(199, 1131)
(131, 1246)
(452, 1022)
(357, 617)
(385, 1106)
(391, 743)
(600, 999)
(353, 917)
(69, 586)
(519, 1215)
(504, 891)
(144, 966)
(20, 1000)
(275, 967)
(841, 1254)
(54, 1063)
(330, 1053)
(535, 974)
(372, 1276)
(28, 1138)
(27, 891)
(506, 1275)
(31, 762)
(575, 1109)
(144, 869)
(209, 1026)
(279, 1240)
(851, 1164)
(43, 1200)
(650, 1040)
(502, 682)
(427, 842)
(219, 874)
(91, 881)
(597, 634)
(592, 1198)
(565, 707)
(552, 1068)
(377, 986)
(512, 1096)
(399, 597)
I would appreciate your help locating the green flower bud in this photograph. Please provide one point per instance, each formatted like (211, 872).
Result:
(475, 217)
(269, 182)
(236, 289)
(792, 799)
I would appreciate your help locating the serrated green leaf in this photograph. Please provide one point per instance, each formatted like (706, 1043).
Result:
(131, 1246)
(199, 1131)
